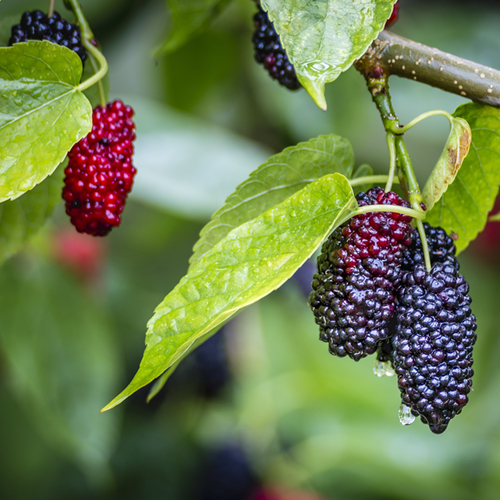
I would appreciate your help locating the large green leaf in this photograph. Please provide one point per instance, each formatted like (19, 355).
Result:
(323, 38)
(24, 216)
(252, 261)
(274, 181)
(464, 207)
(450, 161)
(60, 357)
(187, 18)
(42, 114)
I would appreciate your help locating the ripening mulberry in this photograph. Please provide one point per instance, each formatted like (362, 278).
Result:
(100, 173)
(432, 344)
(38, 26)
(358, 274)
(270, 53)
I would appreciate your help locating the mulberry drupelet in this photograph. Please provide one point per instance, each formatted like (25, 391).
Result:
(38, 26)
(100, 173)
(358, 274)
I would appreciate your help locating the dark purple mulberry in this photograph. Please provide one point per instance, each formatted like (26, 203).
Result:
(441, 248)
(38, 26)
(432, 345)
(358, 273)
(270, 53)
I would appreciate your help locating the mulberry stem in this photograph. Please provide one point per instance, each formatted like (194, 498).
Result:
(371, 179)
(416, 214)
(52, 8)
(391, 144)
(436, 112)
(425, 247)
(89, 43)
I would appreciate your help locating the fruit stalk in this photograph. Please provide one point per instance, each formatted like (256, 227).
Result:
(52, 8)
(96, 57)
(408, 59)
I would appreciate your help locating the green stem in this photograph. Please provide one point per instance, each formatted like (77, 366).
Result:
(391, 144)
(425, 247)
(52, 8)
(370, 179)
(96, 56)
(436, 112)
(416, 214)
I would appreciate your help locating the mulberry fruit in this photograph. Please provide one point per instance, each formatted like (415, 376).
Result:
(270, 53)
(100, 173)
(38, 26)
(432, 345)
(441, 248)
(358, 274)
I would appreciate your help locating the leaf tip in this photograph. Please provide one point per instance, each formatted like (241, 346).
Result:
(316, 90)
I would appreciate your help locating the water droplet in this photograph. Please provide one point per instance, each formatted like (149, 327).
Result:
(405, 415)
(381, 368)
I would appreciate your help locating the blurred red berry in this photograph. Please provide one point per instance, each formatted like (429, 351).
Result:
(394, 16)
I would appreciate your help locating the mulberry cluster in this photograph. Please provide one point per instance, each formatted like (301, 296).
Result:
(38, 26)
(432, 344)
(358, 274)
(270, 53)
(100, 173)
(372, 292)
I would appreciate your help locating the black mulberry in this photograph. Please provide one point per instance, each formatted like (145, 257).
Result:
(38, 26)
(358, 274)
(270, 53)
(441, 248)
(432, 345)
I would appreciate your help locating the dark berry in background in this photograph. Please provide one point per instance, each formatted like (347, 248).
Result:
(210, 366)
(100, 173)
(38, 26)
(359, 270)
(394, 16)
(270, 53)
(432, 346)
(226, 475)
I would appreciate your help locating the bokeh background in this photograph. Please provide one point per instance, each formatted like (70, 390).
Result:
(261, 411)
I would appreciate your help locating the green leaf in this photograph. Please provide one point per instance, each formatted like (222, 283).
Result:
(42, 114)
(464, 207)
(188, 18)
(24, 216)
(450, 161)
(60, 356)
(323, 38)
(274, 181)
(252, 261)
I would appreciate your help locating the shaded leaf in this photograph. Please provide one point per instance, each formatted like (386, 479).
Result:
(252, 261)
(323, 38)
(464, 207)
(181, 158)
(41, 113)
(363, 170)
(24, 216)
(446, 169)
(188, 18)
(274, 181)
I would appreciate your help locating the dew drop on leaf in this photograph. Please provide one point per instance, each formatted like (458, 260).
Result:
(405, 415)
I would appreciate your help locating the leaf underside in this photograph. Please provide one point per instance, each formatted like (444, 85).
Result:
(464, 207)
(249, 263)
(449, 163)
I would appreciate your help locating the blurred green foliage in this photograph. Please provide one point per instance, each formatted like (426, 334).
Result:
(208, 115)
